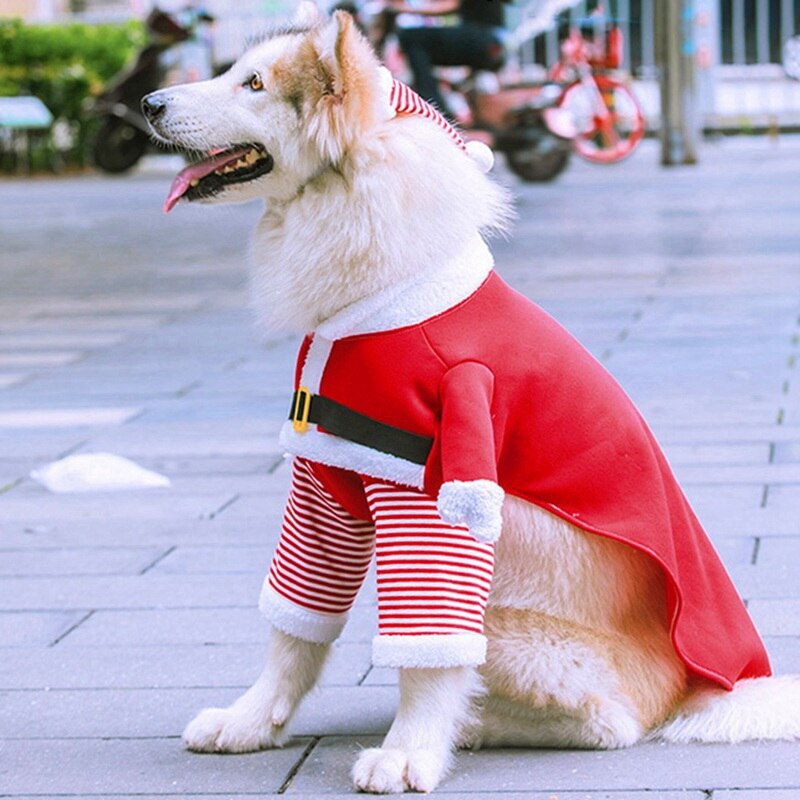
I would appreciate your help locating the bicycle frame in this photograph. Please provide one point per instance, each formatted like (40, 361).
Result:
(589, 65)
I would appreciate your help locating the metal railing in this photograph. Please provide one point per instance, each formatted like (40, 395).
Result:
(748, 31)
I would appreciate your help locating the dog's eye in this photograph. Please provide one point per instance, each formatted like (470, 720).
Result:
(255, 83)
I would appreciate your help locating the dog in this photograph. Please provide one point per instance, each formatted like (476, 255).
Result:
(588, 609)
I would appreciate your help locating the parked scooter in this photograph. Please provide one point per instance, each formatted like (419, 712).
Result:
(124, 136)
(519, 119)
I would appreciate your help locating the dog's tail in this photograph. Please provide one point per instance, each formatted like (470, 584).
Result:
(757, 708)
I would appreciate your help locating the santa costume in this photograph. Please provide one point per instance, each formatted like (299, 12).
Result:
(415, 412)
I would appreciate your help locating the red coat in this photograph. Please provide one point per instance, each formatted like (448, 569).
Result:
(509, 396)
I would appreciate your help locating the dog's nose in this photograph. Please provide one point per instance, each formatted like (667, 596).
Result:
(153, 106)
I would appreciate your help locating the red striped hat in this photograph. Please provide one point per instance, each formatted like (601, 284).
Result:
(404, 100)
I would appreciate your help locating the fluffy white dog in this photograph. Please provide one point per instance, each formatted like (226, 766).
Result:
(609, 617)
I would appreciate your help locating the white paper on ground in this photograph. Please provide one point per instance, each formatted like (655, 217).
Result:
(96, 472)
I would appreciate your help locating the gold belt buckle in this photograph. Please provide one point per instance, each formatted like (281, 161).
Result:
(301, 410)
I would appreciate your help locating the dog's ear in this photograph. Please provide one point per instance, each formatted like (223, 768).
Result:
(307, 15)
(349, 83)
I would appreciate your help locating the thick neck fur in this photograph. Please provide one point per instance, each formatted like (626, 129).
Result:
(401, 204)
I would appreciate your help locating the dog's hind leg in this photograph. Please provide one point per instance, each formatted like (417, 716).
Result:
(435, 704)
(552, 683)
(258, 719)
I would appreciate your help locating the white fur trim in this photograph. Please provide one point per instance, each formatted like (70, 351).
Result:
(332, 451)
(429, 650)
(476, 504)
(314, 366)
(310, 626)
(426, 294)
(481, 154)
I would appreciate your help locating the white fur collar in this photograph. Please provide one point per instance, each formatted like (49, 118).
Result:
(416, 299)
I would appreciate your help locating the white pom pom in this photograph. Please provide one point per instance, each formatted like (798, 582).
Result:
(481, 155)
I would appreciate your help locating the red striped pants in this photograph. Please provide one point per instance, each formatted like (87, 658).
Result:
(433, 578)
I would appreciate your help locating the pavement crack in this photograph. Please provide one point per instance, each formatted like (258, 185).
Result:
(70, 450)
(159, 559)
(298, 764)
(227, 504)
(190, 387)
(756, 550)
(364, 676)
(72, 628)
(273, 468)
(10, 485)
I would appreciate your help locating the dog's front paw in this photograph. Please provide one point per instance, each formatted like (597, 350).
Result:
(231, 730)
(390, 771)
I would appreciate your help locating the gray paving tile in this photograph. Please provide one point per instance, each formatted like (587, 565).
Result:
(180, 626)
(675, 432)
(652, 767)
(170, 627)
(35, 532)
(58, 341)
(784, 653)
(80, 561)
(24, 628)
(724, 499)
(223, 559)
(237, 796)
(118, 591)
(33, 359)
(755, 794)
(118, 323)
(773, 474)
(778, 617)
(788, 452)
(85, 417)
(784, 498)
(41, 444)
(756, 453)
(757, 581)
(13, 378)
(775, 552)
(171, 666)
(691, 300)
(41, 507)
(162, 713)
(96, 767)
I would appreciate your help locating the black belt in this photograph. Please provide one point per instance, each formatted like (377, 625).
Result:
(342, 421)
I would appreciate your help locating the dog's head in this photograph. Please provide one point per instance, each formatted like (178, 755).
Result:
(286, 111)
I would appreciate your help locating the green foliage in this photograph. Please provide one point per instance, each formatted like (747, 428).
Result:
(63, 65)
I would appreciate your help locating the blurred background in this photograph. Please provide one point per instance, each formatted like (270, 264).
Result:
(693, 68)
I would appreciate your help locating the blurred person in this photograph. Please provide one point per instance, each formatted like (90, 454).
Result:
(449, 33)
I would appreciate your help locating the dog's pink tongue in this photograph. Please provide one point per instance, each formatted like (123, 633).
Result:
(183, 180)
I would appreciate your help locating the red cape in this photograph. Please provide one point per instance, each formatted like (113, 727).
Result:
(510, 396)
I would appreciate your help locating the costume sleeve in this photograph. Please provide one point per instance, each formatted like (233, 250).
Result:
(469, 493)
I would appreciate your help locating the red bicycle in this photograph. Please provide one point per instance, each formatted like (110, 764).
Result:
(608, 120)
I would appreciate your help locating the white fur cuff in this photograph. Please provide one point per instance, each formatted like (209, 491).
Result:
(428, 651)
(310, 626)
(476, 504)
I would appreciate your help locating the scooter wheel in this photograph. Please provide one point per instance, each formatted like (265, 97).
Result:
(118, 146)
(535, 166)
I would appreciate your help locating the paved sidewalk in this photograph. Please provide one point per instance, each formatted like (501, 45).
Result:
(124, 331)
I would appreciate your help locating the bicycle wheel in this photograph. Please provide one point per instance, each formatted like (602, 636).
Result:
(609, 133)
